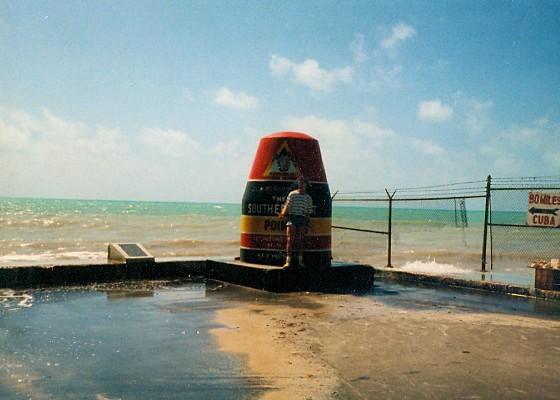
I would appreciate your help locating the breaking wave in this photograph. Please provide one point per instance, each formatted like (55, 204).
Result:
(432, 267)
(52, 256)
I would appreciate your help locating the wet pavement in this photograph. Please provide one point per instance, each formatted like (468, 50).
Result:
(417, 297)
(151, 340)
(134, 341)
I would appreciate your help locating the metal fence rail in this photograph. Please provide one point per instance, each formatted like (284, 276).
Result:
(512, 233)
(424, 221)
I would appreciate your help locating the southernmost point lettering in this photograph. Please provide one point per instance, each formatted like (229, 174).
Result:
(280, 159)
(264, 209)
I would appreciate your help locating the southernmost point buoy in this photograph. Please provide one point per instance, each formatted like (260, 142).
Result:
(280, 159)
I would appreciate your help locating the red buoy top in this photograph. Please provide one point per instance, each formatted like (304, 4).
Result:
(286, 156)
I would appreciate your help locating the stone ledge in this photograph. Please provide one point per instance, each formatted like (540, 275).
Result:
(342, 276)
(85, 273)
(449, 281)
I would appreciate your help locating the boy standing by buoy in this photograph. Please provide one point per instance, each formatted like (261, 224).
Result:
(297, 210)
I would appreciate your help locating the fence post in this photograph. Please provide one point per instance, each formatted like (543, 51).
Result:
(486, 214)
(456, 222)
(389, 228)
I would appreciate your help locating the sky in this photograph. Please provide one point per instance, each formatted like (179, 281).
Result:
(167, 100)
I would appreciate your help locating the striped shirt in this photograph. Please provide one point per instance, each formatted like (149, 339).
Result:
(299, 204)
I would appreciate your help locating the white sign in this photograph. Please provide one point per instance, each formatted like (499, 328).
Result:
(543, 209)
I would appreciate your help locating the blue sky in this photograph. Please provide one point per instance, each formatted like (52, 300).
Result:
(167, 100)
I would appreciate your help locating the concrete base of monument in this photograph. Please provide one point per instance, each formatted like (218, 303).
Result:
(340, 277)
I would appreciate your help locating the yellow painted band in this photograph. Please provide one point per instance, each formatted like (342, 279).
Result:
(276, 226)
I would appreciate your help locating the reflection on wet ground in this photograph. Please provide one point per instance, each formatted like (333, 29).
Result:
(151, 340)
(141, 341)
(455, 299)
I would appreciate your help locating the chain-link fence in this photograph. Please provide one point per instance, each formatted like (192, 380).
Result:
(429, 225)
(471, 224)
(523, 221)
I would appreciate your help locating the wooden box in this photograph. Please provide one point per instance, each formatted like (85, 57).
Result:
(547, 278)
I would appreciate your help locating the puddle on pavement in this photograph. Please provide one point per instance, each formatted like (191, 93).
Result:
(135, 341)
(417, 297)
(151, 340)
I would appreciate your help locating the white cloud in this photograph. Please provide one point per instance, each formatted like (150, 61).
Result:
(399, 33)
(477, 116)
(341, 132)
(188, 95)
(542, 121)
(362, 155)
(55, 126)
(309, 73)
(524, 136)
(280, 66)
(46, 156)
(476, 113)
(15, 131)
(241, 101)
(351, 149)
(434, 111)
(428, 147)
(357, 46)
(170, 142)
(522, 150)
(384, 76)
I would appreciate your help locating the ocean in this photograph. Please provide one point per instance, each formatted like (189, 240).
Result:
(61, 230)
(153, 339)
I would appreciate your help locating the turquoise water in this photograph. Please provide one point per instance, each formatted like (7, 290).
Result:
(423, 239)
(9, 206)
(45, 229)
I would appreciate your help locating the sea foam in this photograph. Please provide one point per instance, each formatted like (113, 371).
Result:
(49, 256)
(432, 267)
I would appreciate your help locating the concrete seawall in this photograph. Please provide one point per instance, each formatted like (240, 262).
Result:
(341, 276)
(353, 276)
(31, 276)
(453, 282)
